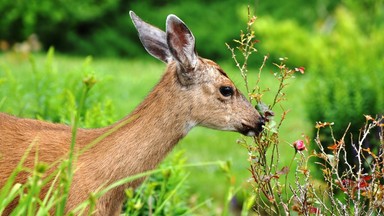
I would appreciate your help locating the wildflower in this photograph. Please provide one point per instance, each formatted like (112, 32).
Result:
(349, 184)
(299, 145)
(314, 210)
(323, 124)
(300, 69)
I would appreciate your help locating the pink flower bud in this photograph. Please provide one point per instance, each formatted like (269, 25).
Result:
(299, 145)
(300, 69)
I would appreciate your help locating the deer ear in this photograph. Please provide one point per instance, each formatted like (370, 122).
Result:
(153, 39)
(181, 43)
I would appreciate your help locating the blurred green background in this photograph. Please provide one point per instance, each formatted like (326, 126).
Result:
(339, 42)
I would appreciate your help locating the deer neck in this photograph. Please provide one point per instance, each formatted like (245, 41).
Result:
(149, 133)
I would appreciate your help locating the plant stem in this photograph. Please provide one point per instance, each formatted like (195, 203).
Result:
(71, 159)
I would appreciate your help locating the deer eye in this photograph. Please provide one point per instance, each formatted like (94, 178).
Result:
(226, 91)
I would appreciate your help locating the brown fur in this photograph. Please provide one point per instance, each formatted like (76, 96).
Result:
(172, 108)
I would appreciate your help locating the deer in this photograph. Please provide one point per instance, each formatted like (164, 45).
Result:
(193, 91)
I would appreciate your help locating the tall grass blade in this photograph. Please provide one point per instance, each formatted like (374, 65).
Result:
(10, 190)
(158, 209)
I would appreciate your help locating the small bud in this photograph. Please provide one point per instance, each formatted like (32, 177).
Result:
(299, 145)
(89, 81)
(300, 69)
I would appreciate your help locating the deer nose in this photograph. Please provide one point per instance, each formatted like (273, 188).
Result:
(260, 125)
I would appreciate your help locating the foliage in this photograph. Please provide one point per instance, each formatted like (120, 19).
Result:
(354, 190)
(164, 193)
(51, 20)
(263, 150)
(56, 183)
(358, 189)
(348, 84)
(343, 56)
(104, 28)
(43, 95)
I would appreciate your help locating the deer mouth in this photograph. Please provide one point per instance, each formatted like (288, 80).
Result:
(248, 130)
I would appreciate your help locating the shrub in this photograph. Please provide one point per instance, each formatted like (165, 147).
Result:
(104, 28)
(355, 190)
(342, 56)
(348, 83)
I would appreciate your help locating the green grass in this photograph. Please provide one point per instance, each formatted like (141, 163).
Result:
(126, 82)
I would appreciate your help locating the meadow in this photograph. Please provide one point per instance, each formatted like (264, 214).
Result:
(121, 85)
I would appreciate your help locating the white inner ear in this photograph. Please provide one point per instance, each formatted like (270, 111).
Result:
(192, 58)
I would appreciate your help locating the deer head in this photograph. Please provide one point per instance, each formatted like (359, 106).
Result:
(214, 101)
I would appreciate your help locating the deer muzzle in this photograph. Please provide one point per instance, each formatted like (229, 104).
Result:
(254, 130)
